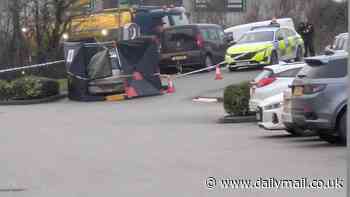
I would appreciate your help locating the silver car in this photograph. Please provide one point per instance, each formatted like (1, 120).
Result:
(319, 97)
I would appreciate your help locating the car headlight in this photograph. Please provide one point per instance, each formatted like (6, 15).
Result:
(273, 106)
(65, 36)
(104, 32)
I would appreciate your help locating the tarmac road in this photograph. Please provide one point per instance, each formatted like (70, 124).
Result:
(156, 146)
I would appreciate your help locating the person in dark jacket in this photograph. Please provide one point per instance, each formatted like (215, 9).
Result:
(308, 37)
(301, 29)
(158, 27)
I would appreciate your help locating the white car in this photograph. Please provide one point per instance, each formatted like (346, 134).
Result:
(273, 80)
(340, 44)
(269, 113)
(237, 31)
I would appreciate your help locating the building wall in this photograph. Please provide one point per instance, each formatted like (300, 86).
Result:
(256, 10)
(226, 18)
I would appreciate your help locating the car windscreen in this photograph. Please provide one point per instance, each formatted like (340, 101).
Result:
(334, 69)
(179, 19)
(260, 36)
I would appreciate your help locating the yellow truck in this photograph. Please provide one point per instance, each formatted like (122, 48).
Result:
(123, 23)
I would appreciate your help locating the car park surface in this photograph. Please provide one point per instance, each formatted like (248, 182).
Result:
(155, 146)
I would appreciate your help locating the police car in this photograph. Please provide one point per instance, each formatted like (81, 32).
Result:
(265, 45)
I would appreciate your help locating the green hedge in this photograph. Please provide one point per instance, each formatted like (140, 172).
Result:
(5, 90)
(29, 87)
(236, 99)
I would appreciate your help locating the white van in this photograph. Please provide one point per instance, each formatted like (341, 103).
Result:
(239, 30)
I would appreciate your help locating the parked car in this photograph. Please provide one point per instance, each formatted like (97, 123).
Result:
(263, 46)
(273, 80)
(269, 113)
(237, 31)
(319, 97)
(340, 44)
(195, 45)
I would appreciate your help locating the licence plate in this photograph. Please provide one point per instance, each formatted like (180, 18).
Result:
(177, 58)
(298, 91)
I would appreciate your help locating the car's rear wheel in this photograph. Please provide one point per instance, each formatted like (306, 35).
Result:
(342, 129)
(274, 58)
(299, 55)
(328, 138)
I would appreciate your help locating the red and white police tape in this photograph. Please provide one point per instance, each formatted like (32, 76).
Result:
(32, 66)
(122, 76)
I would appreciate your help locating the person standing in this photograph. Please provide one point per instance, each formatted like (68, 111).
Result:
(301, 29)
(308, 38)
(157, 28)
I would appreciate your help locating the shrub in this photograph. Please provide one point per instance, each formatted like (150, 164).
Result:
(5, 90)
(32, 87)
(236, 99)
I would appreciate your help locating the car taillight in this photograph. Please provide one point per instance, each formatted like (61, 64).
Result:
(200, 41)
(313, 88)
(265, 81)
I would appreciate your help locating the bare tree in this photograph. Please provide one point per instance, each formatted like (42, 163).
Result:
(18, 52)
(253, 14)
(34, 27)
(51, 21)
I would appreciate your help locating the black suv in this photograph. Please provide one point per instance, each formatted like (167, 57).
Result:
(319, 97)
(195, 45)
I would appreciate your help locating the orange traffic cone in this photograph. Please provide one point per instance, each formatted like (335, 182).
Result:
(218, 75)
(171, 87)
(131, 92)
